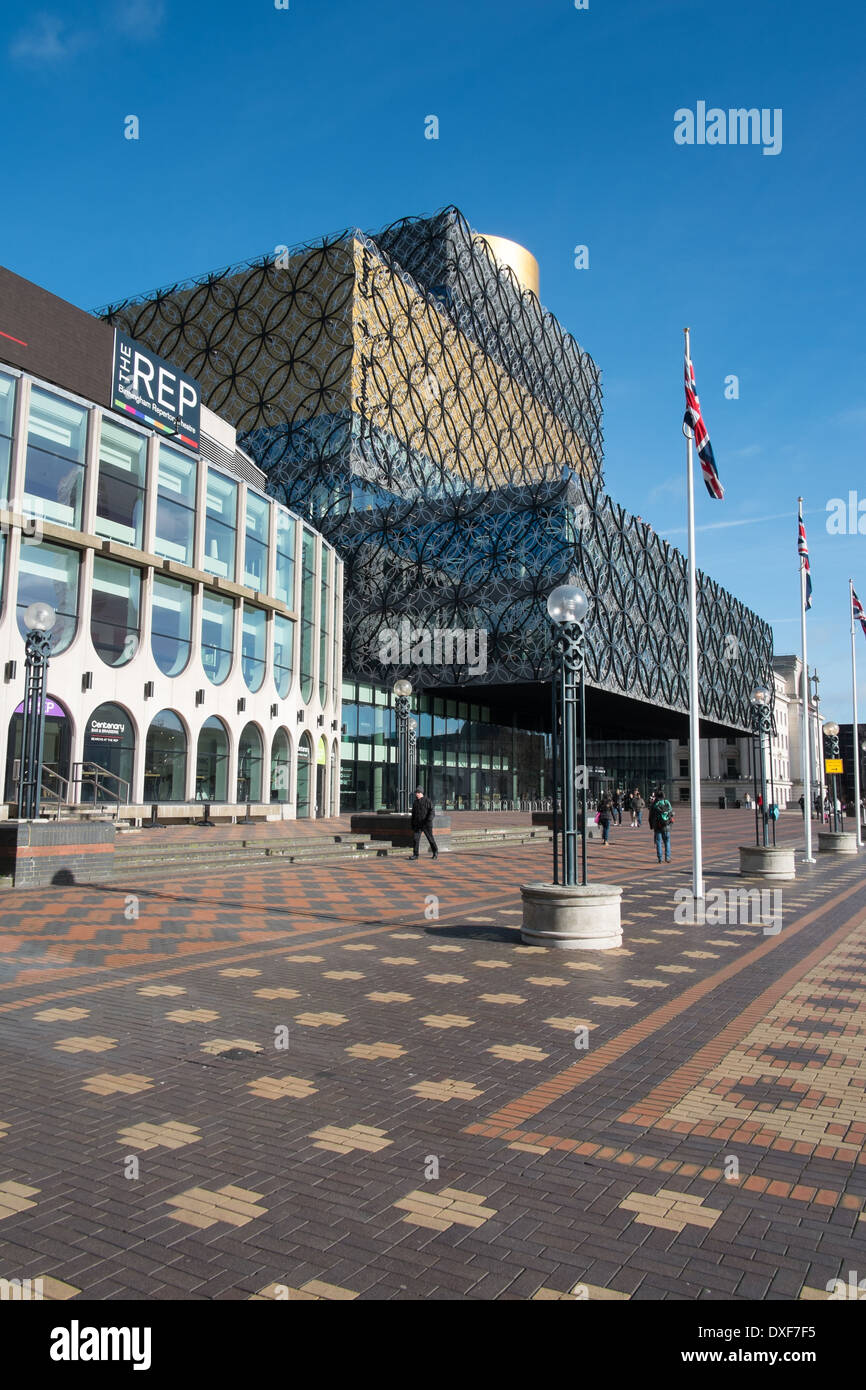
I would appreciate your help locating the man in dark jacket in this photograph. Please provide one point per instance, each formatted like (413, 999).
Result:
(422, 822)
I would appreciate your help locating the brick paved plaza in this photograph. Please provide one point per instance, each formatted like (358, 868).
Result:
(434, 1127)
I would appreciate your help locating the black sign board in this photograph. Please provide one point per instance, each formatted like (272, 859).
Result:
(155, 392)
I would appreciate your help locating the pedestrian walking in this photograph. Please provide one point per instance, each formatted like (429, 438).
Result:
(616, 809)
(803, 806)
(605, 813)
(422, 822)
(637, 809)
(748, 800)
(661, 818)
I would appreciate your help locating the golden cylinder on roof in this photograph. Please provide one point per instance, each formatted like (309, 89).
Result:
(522, 262)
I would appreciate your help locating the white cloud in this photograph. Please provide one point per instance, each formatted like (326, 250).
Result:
(49, 39)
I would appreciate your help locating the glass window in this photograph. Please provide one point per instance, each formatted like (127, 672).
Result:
(308, 601)
(217, 635)
(212, 762)
(56, 443)
(175, 507)
(7, 420)
(165, 759)
(109, 742)
(114, 611)
(284, 643)
(121, 483)
(281, 767)
(284, 586)
(253, 646)
(304, 775)
(171, 624)
(50, 573)
(250, 765)
(256, 543)
(220, 525)
(324, 629)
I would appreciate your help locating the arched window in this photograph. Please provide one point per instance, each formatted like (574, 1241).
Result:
(284, 641)
(308, 607)
(109, 744)
(165, 759)
(305, 772)
(49, 573)
(281, 767)
(253, 646)
(249, 786)
(324, 623)
(171, 624)
(217, 635)
(115, 604)
(212, 762)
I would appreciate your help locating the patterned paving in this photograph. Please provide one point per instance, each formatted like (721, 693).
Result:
(324, 1103)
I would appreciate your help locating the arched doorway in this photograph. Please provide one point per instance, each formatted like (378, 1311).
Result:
(109, 748)
(321, 776)
(212, 761)
(165, 759)
(249, 783)
(281, 767)
(57, 749)
(335, 779)
(304, 782)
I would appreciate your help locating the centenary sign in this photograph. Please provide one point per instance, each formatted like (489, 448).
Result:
(155, 392)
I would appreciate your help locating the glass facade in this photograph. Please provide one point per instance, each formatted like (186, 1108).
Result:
(50, 573)
(165, 759)
(109, 742)
(120, 488)
(256, 543)
(221, 510)
(284, 642)
(308, 614)
(56, 446)
(303, 792)
(171, 624)
(249, 786)
(324, 620)
(284, 579)
(217, 635)
(115, 604)
(212, 762)
(254, 634)
(175, 508)
(281, 767)
(7, 421)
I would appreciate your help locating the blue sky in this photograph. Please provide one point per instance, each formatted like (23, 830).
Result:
(261, 127)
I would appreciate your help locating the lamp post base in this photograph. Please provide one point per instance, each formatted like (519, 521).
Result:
(582, 918)
(774, 862)
(837, 842)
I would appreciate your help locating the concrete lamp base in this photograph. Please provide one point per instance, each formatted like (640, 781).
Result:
(837, 841)
(574, 918)
(774, 862)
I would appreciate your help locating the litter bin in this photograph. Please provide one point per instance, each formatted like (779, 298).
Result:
(722, 803)
(737, 805)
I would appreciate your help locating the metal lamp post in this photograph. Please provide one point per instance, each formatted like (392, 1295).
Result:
(402, 691)
(831, 734)
(761, 728)
(413, 755)
(567, 607)
(39, 619)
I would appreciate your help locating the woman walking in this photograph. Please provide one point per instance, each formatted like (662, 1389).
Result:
(605, 811)
(637, 806)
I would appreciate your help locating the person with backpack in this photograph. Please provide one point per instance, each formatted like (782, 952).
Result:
(422, 822)
(616, 808)
(661, 818)
(637, 805)
(605, 811)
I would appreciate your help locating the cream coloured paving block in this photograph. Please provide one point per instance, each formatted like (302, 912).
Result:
(582, 965)
(170, 1135)
(126, 1083)
(405, 936)
(530, 950)
(235, 1206)
(56, 1290)
(450, 1207)
(645, 940)
(359, 946)
(372, 1052)
(344, 1140)
(219, 1045)
(669, 1210)
(546, 981)
(502, 998)
(399, 960)
(305, 960)
(322, 1020)
(569, 1023)
(734, 945)
(814, 1295)
(154, 990)
(343, 975)
(446, 979)
(677, 969)
(4, 1128)
(15, 1197)
(492, 964)
(579, 1293)
(281, 1087)
(68, 1015)
(277, 993)
(192, 1015)
(701, 955)
(239, 974)
(447, 949)
(613, 1001)
(446, 1090)
(95, 1044)
(389, 997)
(667, 931)
(649, 984)
(446, 1021)
(517, 1052)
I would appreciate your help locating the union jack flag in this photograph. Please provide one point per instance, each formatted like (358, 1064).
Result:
(859, 615)
(803, 551)
(695, 420)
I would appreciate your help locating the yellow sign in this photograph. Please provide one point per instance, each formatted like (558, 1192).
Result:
(832, 765)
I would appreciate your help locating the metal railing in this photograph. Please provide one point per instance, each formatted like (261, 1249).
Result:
(89, 774)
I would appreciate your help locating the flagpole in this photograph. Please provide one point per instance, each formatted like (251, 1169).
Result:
(856, 735)
(807, 760)
(694, 690)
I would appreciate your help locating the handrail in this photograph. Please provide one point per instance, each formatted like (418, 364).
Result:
(60, 795)
(85, 771)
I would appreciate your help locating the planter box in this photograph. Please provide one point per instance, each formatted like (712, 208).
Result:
(837, 841)
(773, 862)
(577, 918)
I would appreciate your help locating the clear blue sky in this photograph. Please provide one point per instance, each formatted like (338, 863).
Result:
(261, 127)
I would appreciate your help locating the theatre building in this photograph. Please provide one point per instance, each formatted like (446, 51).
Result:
(197, 646)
